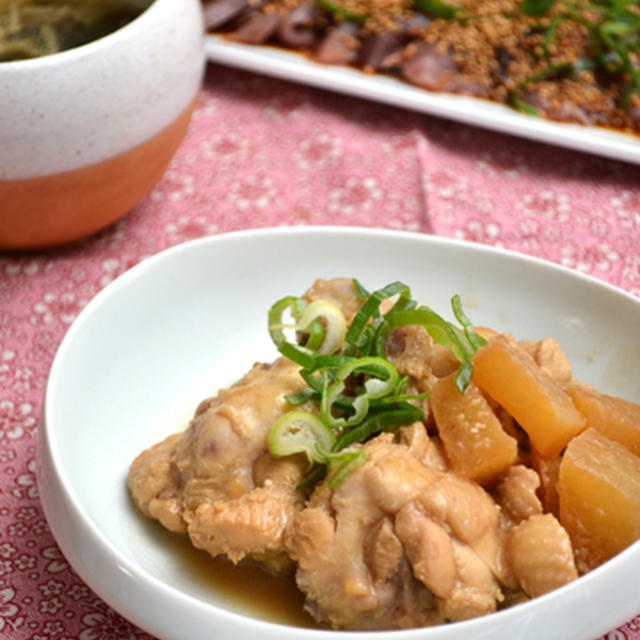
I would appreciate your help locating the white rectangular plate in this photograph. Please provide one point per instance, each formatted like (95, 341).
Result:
(295, 67)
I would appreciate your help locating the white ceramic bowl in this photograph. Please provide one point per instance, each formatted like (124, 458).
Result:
(86, 133)
(181, 324)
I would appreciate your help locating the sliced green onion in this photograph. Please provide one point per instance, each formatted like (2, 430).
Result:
(437, 327)
(381, 379)
(370, 309)
(463, 376)
(382, 402)
(388, 420)
(276, 325)
(524, 106)
(303, 320)
(315, 335)
(613, 27)
(337, 10)
(296, 399)
(358, 390)
(536, 7)
(300, 432)
(441, 331)
(362, 292)
(299, 355)
(475, 341)
(314, 380)
(436, 8)
(330, 362)
(335, 327)
(312, 477)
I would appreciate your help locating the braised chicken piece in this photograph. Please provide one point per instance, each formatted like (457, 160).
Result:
(399, 544)
(414, 354)
(402, 543)
(517, 493)
(339, 291)
(214, 482)
(539, 552)
(550, 358)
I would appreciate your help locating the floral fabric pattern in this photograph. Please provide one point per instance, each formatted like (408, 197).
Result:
(259, 153)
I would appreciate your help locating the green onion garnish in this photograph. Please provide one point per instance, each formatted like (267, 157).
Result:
(436, 8)
(536, 7)
(379, 378)
(613, 28)
(357, 391)
(340, 11)
(300, 432)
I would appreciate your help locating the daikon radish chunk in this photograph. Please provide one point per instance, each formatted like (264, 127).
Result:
(616, 418)
(475, 442)
(513, 379)
(599, 497)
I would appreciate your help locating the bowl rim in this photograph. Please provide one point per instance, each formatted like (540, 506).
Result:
(93, 47)
(139, 578)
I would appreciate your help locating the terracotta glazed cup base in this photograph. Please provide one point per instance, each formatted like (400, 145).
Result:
(53, 210)
(86, 133)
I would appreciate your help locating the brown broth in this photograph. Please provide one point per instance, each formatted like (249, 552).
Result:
(246, 589)
(49, 26)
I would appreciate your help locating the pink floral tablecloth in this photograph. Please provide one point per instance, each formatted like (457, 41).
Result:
(262, 152)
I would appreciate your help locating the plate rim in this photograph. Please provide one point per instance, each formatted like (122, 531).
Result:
(295, 67)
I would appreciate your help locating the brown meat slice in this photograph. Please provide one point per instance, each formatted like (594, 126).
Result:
(428, 67)
(434, 67)
(339, 46)
(218, 12)
(299, 28)
(257, 28)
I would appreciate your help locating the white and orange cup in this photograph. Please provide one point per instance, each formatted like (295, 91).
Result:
(86, 133)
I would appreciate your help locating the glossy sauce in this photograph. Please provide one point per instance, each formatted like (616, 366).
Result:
(245, 589)
(50, 210)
